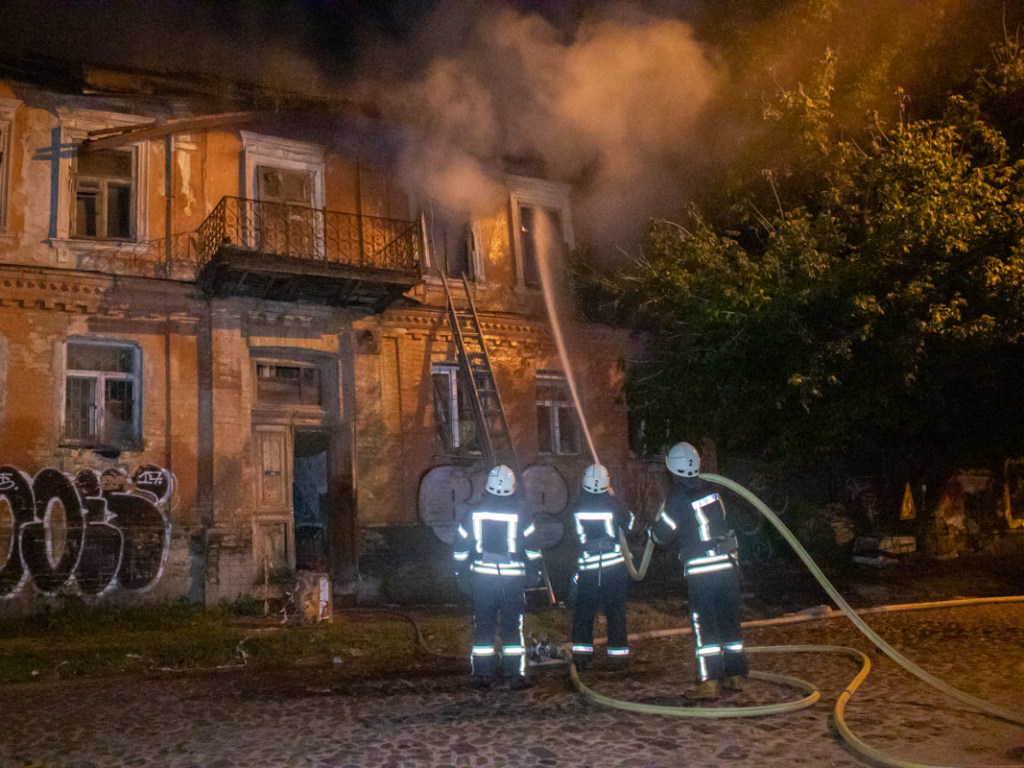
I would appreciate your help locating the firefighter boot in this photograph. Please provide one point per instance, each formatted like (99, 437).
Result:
(734, 682)
(520, 683)
(706, 690)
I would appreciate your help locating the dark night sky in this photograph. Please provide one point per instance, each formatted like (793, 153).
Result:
(639, 111)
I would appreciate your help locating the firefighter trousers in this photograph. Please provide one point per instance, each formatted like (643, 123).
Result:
(498, 600)
(715, 615)
(606, 588)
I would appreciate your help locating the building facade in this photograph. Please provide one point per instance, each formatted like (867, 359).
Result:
(226, 355)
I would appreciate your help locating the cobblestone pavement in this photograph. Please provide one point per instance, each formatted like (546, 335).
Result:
(313, 720)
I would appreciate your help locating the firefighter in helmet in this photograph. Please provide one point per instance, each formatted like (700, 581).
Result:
(601, 578)
(495, 556)
(695, 516)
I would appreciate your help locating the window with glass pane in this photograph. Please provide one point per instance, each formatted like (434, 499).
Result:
(103, 194)
(101, 404)
(558, 430)
(288, 384)
(453, 412)
(529, 223)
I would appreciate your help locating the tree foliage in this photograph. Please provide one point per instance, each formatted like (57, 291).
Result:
(867, 296)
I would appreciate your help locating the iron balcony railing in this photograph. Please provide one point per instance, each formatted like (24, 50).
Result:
(310, 235)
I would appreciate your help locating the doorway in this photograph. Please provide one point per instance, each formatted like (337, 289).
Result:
(311, 500)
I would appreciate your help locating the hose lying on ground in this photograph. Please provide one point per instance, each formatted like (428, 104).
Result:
(840, 707)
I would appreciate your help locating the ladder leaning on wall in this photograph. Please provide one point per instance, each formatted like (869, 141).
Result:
(478, 376)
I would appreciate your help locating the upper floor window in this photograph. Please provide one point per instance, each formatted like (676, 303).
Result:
(541, 223)
(558, 430)
(453, 411)
(289, 384)
(101, 403)
(7, 107)
(531, 227)
(104, 195)
(451, 245)
(101, 200)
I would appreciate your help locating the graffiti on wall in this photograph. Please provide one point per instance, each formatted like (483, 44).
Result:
(95, 530)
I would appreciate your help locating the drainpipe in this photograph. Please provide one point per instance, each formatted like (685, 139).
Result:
(204, 453)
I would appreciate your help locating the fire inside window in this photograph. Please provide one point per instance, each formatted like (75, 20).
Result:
(103, 195)
(288, 384)
(529, 224)
(102, 394)
(558, 430)
(453, 412)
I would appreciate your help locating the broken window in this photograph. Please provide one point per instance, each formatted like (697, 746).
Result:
(531, 229)
(450, 244)
(453, 411)
(291, 384)
(104, 189)
(101, 405)
(558, 430)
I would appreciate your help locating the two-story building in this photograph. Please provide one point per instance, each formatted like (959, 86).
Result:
(226, 351)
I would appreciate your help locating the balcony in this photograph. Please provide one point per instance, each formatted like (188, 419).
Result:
(283, 252)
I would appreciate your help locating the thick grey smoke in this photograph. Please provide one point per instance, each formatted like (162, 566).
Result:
(612, 109)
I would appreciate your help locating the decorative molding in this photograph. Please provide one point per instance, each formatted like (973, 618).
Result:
(259, 149)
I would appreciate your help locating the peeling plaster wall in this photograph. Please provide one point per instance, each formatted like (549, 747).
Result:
(378, 409)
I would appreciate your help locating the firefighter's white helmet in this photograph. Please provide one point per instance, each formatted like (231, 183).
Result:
(595, 478)
(683, 460)
(501, 481)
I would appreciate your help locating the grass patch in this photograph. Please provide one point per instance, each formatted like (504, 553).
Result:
(89, 641)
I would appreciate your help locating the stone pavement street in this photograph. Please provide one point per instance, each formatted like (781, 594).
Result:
(308, 719)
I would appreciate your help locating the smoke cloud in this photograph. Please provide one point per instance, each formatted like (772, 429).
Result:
(611, 108)
(642, 106)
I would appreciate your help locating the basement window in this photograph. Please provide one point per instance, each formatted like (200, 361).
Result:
(288, 384)
(101, 401)
(558, 430)
(104, 195)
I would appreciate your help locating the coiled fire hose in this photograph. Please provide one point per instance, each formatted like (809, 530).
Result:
(813, 695)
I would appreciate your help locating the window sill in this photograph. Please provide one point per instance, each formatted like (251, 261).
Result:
(98, 448)
(84, 244)
(435, 280)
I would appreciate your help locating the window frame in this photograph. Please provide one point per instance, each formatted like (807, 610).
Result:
(300, 365)
(453, 444)
(474, 259)
(99, 404)
(536, 193)
(104, 185)
(75, 127)
(544, 378)
(8, 107)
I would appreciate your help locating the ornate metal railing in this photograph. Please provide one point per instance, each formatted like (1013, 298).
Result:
(310, 235)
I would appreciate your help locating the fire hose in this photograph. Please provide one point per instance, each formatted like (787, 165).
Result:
(812, 693)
